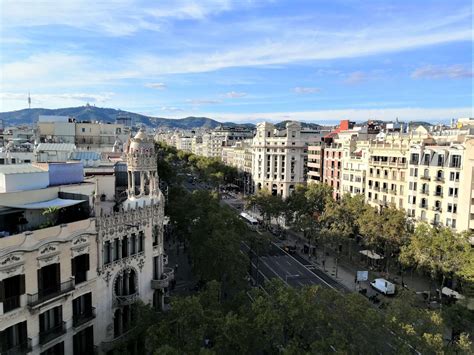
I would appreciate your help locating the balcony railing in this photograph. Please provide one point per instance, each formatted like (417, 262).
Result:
(79, 319)
(158, 284)
(423, 177)
(22, 348)
(384, 189)
(438, 209)
(438, 194)
(49, 293)
(11, 303)
(435, 222)
(125, 300)
(425, 192)
(393, 192)
(52, 333)
(439, 179)
(423, 206)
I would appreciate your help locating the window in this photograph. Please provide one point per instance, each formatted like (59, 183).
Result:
(116, 249)
(51, 324)
(57, 349)
(141, 241)
(80, 266)
(14, 338)
(11, 289)
(133, 249)
(124, 247)
(455, 161)
(83, 342)
(440, 160)
(107, 253)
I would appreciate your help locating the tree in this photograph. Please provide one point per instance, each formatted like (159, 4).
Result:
(439, 251)
(270, 206)
(395, 232)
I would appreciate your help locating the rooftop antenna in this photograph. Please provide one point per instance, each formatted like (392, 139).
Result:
(29, 100)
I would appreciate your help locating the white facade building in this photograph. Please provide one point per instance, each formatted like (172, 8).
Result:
(279, 157)
(69, 278)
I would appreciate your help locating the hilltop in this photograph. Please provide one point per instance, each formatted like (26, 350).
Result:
(93, 113)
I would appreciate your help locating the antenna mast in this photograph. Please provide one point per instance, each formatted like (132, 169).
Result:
(29, 100)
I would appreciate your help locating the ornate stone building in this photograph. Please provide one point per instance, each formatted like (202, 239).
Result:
(69, 277)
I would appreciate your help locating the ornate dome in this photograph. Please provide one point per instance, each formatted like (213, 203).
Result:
(141, 144)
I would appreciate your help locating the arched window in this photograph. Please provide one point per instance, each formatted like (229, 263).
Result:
(439, 190)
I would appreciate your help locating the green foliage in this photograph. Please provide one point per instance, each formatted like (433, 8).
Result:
(270, 206)
(438, 251)
(297, 321)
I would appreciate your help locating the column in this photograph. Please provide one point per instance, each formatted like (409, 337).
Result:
(142, 183)
(133, 183)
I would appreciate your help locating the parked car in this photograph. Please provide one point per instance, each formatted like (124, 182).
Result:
(383, 286)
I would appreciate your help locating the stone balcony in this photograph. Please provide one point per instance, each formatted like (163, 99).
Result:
(163, 282)
(125, 300)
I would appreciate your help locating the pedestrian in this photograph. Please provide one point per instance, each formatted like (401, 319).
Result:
(176, 268)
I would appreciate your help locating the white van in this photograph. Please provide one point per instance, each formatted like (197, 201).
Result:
(383, 286)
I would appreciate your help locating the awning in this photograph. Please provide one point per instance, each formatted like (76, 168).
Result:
(371, 254)
(56, 202)
(451, 293)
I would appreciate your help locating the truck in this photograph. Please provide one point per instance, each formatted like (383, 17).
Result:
(383, 286)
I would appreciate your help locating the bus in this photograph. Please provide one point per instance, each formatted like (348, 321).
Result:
(251, 222)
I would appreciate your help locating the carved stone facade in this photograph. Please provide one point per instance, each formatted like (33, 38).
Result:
(110, 258)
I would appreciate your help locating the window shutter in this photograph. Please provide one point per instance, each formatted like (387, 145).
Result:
(40, 281)
(22, 284)
(2, 291)
(73, 267)
(58, 274)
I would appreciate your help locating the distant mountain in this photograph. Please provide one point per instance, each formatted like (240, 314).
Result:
(282, 125)
(93, 113)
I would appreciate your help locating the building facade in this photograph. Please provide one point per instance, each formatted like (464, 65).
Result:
(279, 157)
(69, 278)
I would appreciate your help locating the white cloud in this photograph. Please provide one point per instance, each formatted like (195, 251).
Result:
(110, 17)
(356, 77)
(403, 113)
(234, 94)
(47, 100)
(198, 102)
(440, 72)
(306, 90)
(171, 109)
(159, 86)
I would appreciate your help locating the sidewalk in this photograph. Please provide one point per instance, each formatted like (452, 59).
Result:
(347, 269)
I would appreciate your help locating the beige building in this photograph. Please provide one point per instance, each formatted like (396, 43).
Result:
(279, 157)
(85, 134)
(69, 278)
(387, 172)
(355, 162)
(440, 183)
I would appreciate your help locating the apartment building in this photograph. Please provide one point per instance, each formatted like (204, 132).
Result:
(315, 163)
(388, 166)
(280, 157)
(84, 134)
(440, 183)
(354, 167)
(69, 276)
(184, 144)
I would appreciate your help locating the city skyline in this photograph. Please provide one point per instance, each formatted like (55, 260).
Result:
(242, 61)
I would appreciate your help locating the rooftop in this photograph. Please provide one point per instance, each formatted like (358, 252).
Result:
(19, 169)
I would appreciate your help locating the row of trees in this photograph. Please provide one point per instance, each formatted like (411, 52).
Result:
(172, 162)
(439, 251)
(279, 319)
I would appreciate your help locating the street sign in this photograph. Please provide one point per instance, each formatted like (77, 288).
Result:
(362, 275)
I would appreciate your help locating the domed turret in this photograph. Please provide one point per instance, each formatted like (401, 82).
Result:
(142, 172)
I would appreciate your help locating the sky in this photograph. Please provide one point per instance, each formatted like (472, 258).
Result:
(243, 60)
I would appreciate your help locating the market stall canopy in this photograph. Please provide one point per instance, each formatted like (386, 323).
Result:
(56, 202)
(371, 254)
(451, 293)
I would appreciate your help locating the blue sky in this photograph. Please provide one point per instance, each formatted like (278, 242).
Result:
(241, 60)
